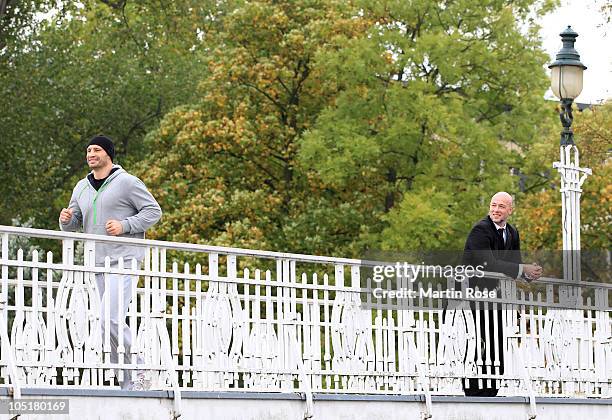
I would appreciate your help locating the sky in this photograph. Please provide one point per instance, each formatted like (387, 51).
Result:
(594, 44)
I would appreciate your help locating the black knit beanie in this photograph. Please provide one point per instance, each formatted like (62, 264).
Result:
(104, 142)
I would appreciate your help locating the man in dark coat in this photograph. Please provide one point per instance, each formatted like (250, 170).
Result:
(495, 244)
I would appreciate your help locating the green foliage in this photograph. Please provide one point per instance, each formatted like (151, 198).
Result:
(445, 99)
(18, 19)
(424, 217)
(333, 128)
(315, 126)
(91, 68)
(540, 212)
(225, 168)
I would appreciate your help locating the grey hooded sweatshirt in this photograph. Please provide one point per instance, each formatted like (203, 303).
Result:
(122, 197)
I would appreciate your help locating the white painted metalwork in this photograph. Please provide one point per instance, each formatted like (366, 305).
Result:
(572, 178)
(226, 319)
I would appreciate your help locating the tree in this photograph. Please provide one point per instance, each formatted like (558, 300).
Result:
(318, 119)
(225, 168)
(112, 67)
(540, 215)
(18, 18)
(440, 102)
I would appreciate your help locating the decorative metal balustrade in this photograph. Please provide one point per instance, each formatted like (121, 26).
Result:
(228, 319)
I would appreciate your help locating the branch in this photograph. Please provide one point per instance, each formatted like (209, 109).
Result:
(242, 158)
(117, 5)
(271, 99)
(283, 85)
(537, 185)
(139, 124)
(3, 7)
(127, 25)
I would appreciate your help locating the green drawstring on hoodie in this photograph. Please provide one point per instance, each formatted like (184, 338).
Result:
(95, 209)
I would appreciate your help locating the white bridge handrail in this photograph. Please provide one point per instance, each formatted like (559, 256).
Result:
(244, 252)
(213, 321)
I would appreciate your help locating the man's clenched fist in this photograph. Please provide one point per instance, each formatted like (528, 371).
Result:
(65, 215)
(114, 228)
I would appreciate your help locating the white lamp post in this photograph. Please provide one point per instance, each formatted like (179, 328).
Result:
(566, 83)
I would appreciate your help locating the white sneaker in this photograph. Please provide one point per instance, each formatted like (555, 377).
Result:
(141, 382)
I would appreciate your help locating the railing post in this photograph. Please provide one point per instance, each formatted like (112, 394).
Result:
(527, 380)
(90, 287)
(4, 284)
(304, 379)
(7, 349)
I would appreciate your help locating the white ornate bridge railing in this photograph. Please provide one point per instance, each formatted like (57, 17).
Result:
(227, 319)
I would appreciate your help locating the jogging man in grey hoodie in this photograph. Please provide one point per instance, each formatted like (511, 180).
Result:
(109, 201)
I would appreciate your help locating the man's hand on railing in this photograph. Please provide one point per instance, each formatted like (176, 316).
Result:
(532, 271)
(66, 215)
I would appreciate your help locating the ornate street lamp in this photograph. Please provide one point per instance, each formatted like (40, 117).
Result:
(566, 83)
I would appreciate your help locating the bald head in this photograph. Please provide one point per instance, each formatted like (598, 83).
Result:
(504, 196)
(500, 208)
